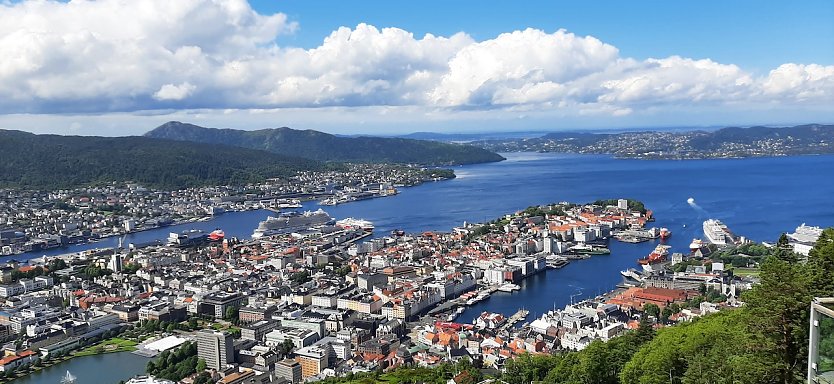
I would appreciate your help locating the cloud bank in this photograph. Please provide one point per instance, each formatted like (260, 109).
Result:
(123, 56)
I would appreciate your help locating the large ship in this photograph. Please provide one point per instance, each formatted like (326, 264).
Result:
(717, 233)
(658, 255)
(290, 222)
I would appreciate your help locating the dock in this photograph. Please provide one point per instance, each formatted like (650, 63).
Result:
(515, 318)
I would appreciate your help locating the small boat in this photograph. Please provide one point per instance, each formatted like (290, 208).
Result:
(665, 233)
(509, 287)
(696, 245)
(398, 232)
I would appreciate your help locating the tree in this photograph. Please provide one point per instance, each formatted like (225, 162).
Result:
(232, 314)
(652, 310)
(778, 309)
(201, 365)
(645, 331)
(665, 314)
(287, 346)
(821, 263)
(715, 349)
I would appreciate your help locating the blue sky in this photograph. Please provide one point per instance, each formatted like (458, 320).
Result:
(117, 67)
(757, 35)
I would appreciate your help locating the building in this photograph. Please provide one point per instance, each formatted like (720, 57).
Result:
(163, 311)
(370, 280)
(300, 338)
(217, 303)
(312, 359)
(248, 315)
(289, 370)
(14, 361)
(126, 313)
(316, 325)
(216, 348)
(148, 380)
(115, 262)
(257, 330)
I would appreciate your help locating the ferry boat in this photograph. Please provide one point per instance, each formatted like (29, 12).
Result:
(583, 249)
(509, 287)
(186, 238)
(665, 233)
(557, 262)
(351, 223)
(696, 244)
(717, 233)
(658, 255)
(330, 201)
(631, 273)
(289, 204)
(291, 221)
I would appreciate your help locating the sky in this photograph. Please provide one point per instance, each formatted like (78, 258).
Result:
(122, 67)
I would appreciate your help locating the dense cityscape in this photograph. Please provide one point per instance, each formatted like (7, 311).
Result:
(433, 192)
(42, 220)
(310, 302)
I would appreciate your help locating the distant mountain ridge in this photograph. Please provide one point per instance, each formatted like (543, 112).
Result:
(727, 142)
(322, 146)
(49, 162)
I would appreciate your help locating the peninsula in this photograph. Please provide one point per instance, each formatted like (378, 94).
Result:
(729, 142)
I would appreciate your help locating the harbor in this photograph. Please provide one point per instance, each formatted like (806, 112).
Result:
(553, 287)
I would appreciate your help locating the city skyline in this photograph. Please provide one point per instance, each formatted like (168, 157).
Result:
(119, 68)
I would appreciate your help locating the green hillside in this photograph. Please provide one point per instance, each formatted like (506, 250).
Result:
(51, 161)
(326, 147)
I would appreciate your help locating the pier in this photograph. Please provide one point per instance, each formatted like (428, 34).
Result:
(515, 318)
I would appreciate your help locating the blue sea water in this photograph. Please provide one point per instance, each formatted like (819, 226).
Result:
(758, 198)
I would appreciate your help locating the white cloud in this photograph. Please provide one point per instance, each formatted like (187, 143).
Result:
(220, 55)
(174, 92)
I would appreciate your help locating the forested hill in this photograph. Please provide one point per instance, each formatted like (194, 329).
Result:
(51, 162)
(326, 147)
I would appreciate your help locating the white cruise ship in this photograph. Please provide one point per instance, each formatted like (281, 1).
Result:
(804, 238)
(290, 222)
(718, 233)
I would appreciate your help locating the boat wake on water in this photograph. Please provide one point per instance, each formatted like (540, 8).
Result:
(694, 205)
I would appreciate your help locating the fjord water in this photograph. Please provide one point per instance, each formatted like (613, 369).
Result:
(757, 197)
